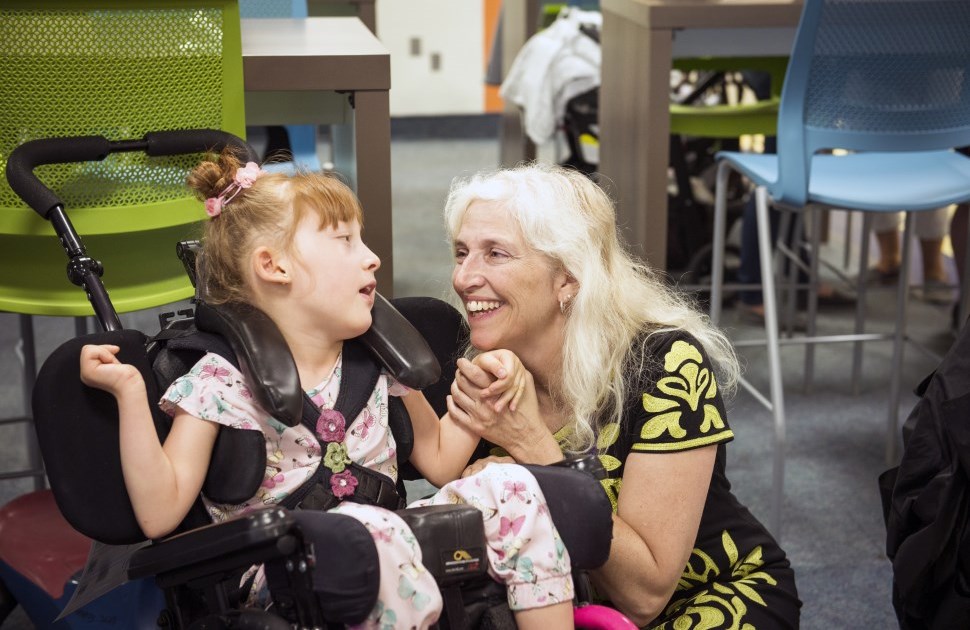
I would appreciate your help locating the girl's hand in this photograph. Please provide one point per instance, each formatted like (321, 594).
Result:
(480, 464)
(100, 368)
(500, 375)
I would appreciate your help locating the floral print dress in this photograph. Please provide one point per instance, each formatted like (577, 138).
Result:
(524, 548)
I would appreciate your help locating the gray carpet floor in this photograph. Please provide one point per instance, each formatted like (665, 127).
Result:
(832, 523)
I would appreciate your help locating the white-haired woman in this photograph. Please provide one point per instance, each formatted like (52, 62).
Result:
(617, 363)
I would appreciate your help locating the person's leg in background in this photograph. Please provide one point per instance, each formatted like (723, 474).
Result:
(930, 227)
(750, 301)
(885, 228)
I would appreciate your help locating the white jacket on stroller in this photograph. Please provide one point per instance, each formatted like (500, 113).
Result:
(554, 66)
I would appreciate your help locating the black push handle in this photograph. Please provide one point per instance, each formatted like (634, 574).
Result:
(28, 156)
(83, 270)
(195, 141)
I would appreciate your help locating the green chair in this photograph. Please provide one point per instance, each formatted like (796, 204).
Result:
(116, 68)
(697, 132)
(730, 120)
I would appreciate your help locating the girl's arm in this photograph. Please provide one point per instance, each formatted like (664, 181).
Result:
(162, 481)
(442, 447)
(654, 529)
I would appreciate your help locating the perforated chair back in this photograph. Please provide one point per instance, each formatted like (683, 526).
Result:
(873, 76)
(117, 68)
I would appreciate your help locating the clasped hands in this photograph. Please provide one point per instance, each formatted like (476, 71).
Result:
(494, 396)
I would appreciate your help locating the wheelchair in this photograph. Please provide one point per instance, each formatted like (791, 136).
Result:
(191, 579)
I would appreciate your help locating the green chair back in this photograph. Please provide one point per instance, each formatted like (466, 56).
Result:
(116, 68)
(730, 121)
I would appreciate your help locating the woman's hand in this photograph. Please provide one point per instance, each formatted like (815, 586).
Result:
(100, 368)
(480, 464)
(519, 430)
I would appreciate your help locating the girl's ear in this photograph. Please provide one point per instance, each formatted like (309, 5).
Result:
(270, 266)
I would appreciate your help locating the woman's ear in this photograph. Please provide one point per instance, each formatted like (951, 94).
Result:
(568, 287)
(270, 266)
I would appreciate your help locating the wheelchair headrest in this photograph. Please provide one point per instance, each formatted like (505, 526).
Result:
(262, 354)
(265, 359)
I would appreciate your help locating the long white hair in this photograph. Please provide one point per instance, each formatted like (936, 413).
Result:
(620, 301)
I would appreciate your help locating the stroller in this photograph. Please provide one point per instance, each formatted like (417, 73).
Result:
(191, 579)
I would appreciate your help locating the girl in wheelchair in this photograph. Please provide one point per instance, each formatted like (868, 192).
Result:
(291, 246)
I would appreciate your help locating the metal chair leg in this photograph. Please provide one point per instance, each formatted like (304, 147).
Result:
(899, 344)
(860, 305)
(813, 280)
(35, 465)
(766, 249)
(720, 227)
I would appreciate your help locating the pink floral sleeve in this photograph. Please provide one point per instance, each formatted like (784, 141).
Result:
(213, 390)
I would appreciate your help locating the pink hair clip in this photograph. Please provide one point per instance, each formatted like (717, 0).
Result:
(245, 177)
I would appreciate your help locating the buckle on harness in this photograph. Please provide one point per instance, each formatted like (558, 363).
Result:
(373, 488)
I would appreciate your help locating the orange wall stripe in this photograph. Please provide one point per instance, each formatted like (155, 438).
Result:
(493, 102)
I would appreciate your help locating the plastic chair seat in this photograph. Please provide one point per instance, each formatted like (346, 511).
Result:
(879, 182)
(730, 120)
(725, 121)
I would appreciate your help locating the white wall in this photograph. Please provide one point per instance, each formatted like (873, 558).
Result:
(421, 33)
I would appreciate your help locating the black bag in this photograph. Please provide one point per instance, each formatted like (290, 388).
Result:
(926, 501)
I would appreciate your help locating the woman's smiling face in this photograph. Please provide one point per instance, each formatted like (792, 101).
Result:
(510, 291)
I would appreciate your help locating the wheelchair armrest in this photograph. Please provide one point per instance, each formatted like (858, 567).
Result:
(580, 508)
(452, 540)
(236, 543)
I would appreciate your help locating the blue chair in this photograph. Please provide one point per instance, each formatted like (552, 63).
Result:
(887, 82)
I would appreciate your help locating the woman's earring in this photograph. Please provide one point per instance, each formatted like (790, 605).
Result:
(564, 303)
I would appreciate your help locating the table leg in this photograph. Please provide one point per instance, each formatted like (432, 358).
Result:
(634, 130)
(520, 20)
(372, 139)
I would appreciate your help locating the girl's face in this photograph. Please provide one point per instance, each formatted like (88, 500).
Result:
(333, 276)
(510, 291)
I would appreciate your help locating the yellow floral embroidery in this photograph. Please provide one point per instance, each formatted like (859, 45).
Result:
(688, 382)
(607, 437)
(725, 603)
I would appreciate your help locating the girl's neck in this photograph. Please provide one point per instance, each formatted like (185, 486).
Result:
(314, 351)
(315, 355)
(315, 370)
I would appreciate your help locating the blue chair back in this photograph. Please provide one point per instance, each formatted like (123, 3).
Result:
(866, 75)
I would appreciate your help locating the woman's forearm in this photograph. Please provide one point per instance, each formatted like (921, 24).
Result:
(540, 449)
(632, 579)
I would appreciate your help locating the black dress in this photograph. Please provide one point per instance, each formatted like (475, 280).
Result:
(737, 575)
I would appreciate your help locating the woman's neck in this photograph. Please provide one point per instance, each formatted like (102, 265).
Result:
(546, 370)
